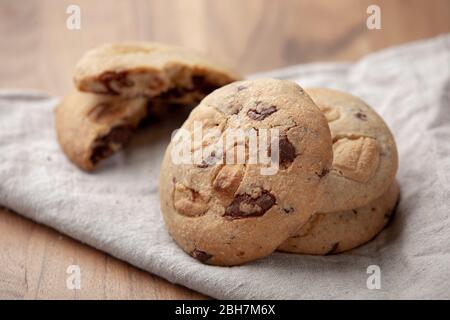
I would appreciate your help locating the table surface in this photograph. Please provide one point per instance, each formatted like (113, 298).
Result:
(38, 51)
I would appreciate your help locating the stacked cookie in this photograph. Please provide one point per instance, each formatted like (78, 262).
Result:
(121, 86)
(334, 189)
(360, 192)
(320, 181)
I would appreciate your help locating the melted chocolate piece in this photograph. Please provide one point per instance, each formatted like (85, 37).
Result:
(101, 152)
(117, 135)
(176, 92)
(202, 84)
(287, 152)
(257, 206)
(261, 115)
(199, 84)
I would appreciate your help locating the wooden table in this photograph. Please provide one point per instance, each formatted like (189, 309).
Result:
(38, 51)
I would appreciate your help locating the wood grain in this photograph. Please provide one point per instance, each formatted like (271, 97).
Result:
(34, 260)
(38, 51)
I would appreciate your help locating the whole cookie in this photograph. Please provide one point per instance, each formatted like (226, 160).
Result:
(365, 156)
(233, 212)
(334, 232)
(92, 127)
(150, 69)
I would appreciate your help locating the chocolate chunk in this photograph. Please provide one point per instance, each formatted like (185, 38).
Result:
(101, 152)
(202, 85)
(287, 152)
(260, 115)
(288, 210)
(199, 84)
(176, 92)
(118, 135)
(323, 173)
(201, 256)
(333, 249)
(355, 211)
(245, 206)
(153, 115)
(361, 116)
(198, 80)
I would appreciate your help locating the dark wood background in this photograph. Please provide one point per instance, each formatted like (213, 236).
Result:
(38, 51)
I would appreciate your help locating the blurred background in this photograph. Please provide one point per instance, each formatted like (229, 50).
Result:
(38, 51)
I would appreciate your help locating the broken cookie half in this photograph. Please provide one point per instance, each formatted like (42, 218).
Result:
(120, 86)
(92, 127)
(151, 70)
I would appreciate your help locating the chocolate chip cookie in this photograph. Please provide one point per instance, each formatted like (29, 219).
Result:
(230, 212)
(334, 232)
(127, 84)
(365, 156)
(154, 70)
(92, 127)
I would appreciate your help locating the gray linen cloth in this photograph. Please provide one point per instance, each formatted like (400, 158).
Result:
(116, 208)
